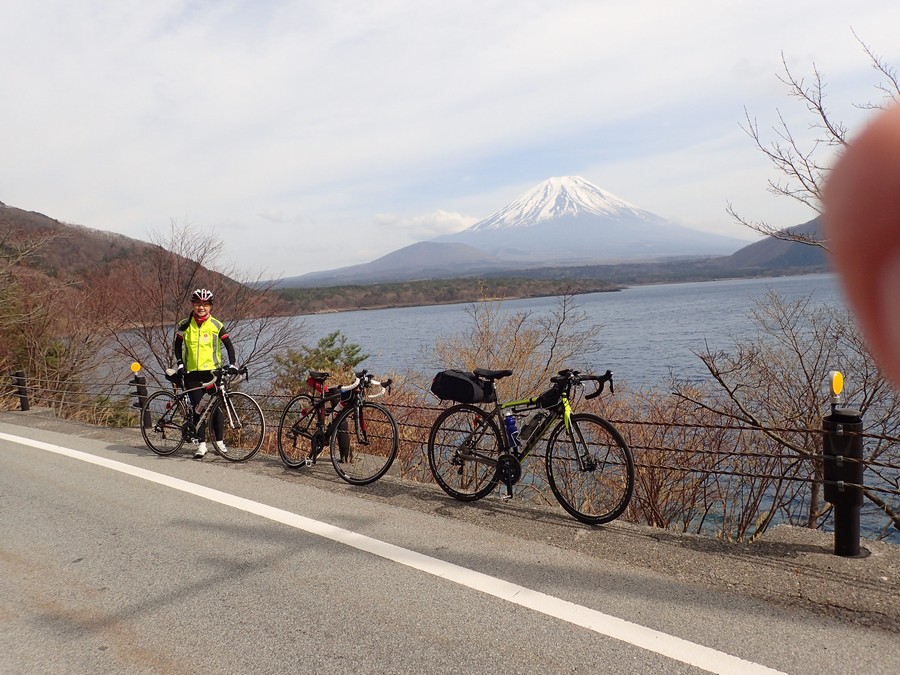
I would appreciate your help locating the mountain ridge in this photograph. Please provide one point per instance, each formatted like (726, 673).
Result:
(570, 220)
(561, 222)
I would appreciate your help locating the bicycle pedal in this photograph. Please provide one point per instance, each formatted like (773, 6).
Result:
(309, 461)
(505, 497)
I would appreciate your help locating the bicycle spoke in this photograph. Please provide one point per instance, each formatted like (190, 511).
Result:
(364, 443)
(162, 420)
(242, 427)
(591, 471)
(462, 451)
(296, 431)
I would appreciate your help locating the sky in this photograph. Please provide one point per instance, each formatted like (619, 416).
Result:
(315, 134)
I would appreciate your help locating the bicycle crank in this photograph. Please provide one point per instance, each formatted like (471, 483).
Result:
(510, 471)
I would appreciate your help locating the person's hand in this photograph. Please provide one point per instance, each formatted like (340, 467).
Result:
(862, 226)
(232, 369)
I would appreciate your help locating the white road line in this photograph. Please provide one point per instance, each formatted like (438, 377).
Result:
(640, 636)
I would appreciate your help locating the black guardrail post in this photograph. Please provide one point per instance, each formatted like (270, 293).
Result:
(843, 468)
(22, 390)
(140, 383)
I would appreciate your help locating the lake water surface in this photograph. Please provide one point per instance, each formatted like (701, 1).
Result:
(647, 331)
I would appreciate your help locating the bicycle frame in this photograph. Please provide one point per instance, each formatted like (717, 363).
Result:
(511, 447)
(219, 392)
(523, 450)
(322, 417)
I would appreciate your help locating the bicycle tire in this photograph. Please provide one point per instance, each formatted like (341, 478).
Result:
(462, 477)
(166, 415)
(364, 443)
(245, 427)
(296, 431)
(600, 493)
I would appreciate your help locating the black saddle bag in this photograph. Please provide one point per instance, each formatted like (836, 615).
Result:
(462, 386)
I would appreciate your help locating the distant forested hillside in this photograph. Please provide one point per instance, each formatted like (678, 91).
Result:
(437, 292)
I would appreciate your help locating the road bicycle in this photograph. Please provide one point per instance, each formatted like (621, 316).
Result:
(362, 435)
(168, 420)
(589, 466)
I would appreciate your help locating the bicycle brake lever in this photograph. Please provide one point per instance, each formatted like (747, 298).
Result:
(601, 383)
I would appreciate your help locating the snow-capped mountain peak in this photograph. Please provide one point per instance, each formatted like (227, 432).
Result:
(569, 220)
(556, 198)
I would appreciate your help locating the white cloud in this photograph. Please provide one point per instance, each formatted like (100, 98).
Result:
(424, 226)
(296, 120)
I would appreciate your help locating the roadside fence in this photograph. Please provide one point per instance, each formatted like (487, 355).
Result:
(717, 478)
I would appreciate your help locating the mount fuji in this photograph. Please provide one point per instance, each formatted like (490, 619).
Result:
(568, 220)
(562, 222)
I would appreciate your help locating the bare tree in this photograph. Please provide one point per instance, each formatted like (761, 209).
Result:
(803, 164)
(533, 347)
(774, 383)
(43, 328)
(156, 295)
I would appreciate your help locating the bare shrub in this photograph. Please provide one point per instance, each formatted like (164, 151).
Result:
(533, 347)
(775, 383)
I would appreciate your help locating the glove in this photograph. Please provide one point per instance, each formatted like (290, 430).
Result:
(176, 375)
(232, 369)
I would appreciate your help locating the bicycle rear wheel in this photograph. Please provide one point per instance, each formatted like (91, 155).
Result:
(463, 448)
(245, 427)
(162, 421)
(364, 443)
(296, 431)
(591, 470)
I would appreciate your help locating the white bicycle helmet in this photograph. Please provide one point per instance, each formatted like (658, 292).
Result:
(202, 295)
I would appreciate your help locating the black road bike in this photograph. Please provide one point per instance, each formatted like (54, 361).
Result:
(362, 435)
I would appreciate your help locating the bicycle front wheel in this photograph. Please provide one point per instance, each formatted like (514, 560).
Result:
(591, 470)
(162, 422)
(463, 448)
(296, 431)
(245, 427)
(364, 443)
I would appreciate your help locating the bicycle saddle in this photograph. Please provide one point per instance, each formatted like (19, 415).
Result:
(492, 374)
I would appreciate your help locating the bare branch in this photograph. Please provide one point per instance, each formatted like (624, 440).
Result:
(891, 89)
(803, 164)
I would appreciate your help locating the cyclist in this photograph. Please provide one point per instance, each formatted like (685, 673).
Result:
(198, 351)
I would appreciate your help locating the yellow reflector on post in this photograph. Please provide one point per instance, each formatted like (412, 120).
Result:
(837, 382)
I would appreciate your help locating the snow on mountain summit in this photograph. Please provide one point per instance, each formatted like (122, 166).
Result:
(571, 221)
(555, 198)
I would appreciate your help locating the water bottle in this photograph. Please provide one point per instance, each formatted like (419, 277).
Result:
(201, 404)
(512, 433)
(531, 426)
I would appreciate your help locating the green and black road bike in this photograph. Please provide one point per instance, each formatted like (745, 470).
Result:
(589, 466)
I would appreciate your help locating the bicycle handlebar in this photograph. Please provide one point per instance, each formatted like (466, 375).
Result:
(601, 381)
(176, 377)
(568, 378)
(350, 387)
(363, 380)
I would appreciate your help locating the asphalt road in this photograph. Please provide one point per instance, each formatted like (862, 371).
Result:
(114, 560)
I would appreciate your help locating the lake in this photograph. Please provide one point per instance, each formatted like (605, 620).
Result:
(647, 331)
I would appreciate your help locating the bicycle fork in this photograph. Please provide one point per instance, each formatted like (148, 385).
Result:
(579, 445)
(234, 421)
